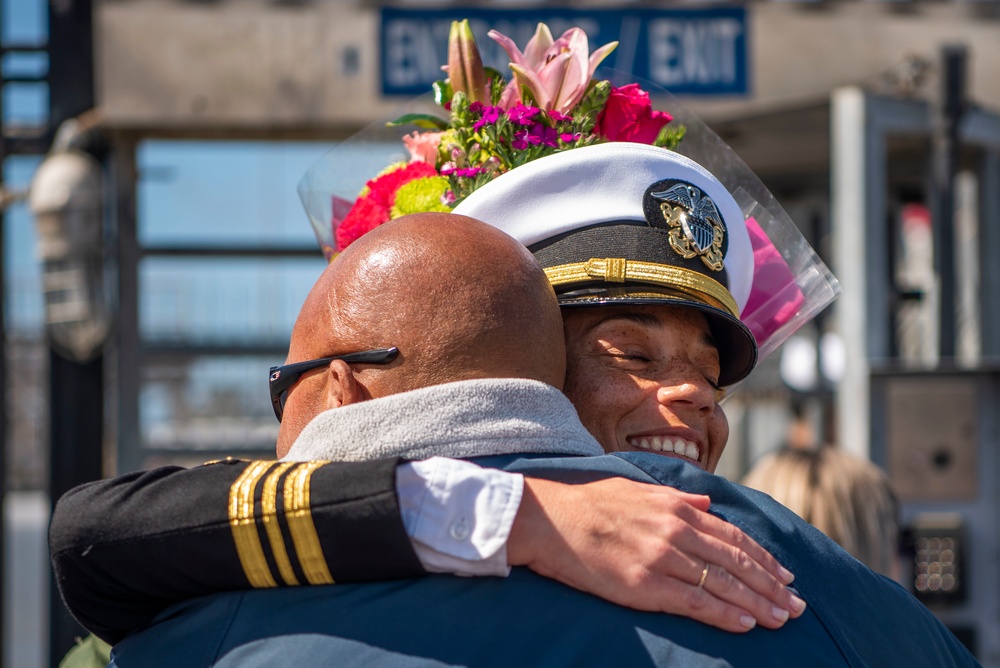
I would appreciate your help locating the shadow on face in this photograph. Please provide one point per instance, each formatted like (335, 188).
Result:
(645, 378)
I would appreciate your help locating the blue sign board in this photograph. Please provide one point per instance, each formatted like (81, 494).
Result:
(685, 51)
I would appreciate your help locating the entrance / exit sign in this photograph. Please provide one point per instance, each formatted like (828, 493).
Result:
(688, 52)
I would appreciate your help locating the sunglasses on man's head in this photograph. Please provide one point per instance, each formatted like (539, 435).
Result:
(281, 378)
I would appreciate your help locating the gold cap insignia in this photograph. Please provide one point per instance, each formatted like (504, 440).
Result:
(694, 223)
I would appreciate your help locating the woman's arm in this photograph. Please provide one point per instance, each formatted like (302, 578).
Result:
(125, 549)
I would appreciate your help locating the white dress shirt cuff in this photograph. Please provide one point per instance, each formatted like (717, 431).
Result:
(458, 515)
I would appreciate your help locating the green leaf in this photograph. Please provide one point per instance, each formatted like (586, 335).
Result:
(527, 99)
(442, 92)
(425, 121)
(594, 99)
(495, 75)
(670, 136)
(497, 86)
(460, 110)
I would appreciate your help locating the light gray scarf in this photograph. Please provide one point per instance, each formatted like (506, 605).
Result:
(469, 418)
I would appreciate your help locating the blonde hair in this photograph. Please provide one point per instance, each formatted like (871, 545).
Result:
(846, 497)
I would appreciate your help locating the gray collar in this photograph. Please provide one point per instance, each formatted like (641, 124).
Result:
(470, 418)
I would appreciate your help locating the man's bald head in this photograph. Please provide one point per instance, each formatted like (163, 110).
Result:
(459, 298)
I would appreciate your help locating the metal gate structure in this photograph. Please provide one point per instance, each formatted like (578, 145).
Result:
(927, 414)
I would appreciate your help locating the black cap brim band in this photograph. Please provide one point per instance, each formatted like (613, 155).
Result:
(588, 267)
(734, 341)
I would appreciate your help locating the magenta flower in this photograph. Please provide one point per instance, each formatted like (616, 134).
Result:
(537, 135)
(466, 172)
(556, 72)
(547, 136)
(490, 115)
(521, 114)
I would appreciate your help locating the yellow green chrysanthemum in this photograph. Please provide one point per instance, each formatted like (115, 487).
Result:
(420, 195)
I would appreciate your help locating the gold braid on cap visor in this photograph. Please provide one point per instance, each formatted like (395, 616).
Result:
(619, 270)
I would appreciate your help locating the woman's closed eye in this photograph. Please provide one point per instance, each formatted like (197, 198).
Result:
(628, 353)
(630, 357)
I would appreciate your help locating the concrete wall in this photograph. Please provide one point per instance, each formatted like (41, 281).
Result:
(801, 52)
(312, 66)
(235, 65)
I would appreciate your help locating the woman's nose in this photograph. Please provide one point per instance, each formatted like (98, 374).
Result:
(690, 388)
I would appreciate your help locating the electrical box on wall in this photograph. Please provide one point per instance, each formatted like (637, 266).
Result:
(931, 452)
(936, 435)
(935, 570)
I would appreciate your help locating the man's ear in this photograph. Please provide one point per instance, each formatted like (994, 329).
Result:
(342, 388)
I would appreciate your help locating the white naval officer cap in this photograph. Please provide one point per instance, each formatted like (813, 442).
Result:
(628, 223)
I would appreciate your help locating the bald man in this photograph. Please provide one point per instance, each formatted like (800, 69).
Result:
(459, 299)
(503, 411)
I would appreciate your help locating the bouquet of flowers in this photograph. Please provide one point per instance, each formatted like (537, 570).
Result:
(480, 125)
(551, 103)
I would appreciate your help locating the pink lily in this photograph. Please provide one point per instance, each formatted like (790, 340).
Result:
(465, 65)
(556, 72)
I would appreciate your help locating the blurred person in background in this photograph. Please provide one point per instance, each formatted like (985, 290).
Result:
(846, 497)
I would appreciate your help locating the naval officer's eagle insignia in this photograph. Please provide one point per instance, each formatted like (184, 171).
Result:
(694, 223)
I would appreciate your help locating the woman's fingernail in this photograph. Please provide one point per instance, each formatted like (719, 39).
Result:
(779, 614)
(785, 575)
(798, 605)
(747, 622)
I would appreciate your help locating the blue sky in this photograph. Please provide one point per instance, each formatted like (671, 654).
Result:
(23, 21)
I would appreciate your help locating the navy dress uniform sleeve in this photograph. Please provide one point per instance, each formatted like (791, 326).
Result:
(125, 549)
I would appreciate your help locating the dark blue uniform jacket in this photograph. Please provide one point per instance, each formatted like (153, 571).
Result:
(855, 616)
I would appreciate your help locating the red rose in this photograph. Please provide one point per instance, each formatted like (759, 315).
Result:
(629, 116)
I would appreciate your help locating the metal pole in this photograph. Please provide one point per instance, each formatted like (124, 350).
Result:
(947, 148)
(850, 199)
(3, 385)
(76, 420)
(76, 390)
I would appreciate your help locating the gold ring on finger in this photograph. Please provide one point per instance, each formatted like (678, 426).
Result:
(704, 576)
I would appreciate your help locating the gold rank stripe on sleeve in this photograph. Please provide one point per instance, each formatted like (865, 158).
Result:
(244, 525)
(269, 513)
(293, 480)
(298, 514)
